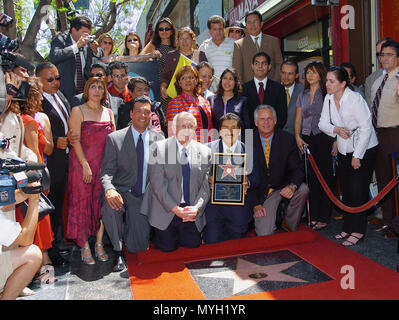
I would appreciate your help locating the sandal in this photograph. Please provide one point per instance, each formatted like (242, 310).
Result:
(103, 257)
(342, 235)
(351, 243)
(88, 259)
(47, 274)
(319, 226)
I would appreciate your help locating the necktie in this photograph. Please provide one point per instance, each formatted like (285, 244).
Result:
(267, 152)
(376, 102)
(257, 44)
(261, 92)
(79, 74)
(287, 93)
(186, 176)
(137, 190)
(66, 116)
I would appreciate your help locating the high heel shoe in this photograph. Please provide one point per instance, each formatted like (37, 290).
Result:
(353, 242)
(89, 259)
(103, 257)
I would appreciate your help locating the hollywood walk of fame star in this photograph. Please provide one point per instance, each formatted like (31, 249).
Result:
(248, 274)
(228, 169)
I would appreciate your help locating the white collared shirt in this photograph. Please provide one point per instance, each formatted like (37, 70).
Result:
(50, 99)
(257, 83)
(232, 148)
(353, 115)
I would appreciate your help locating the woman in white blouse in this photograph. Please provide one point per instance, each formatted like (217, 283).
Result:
(345, 115)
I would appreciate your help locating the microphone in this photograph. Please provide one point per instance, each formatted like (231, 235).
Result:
(23, 166)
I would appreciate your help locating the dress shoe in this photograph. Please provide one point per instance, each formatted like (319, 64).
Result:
(120, 264)
(389, 233)
(286, 227)
(374, 221)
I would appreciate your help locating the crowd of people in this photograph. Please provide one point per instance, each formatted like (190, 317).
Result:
(140, 170)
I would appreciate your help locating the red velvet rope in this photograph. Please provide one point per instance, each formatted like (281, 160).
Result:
(339, 204)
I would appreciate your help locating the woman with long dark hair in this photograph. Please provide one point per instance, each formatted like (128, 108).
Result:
(347, 117)
(228, 97)
(307, 132)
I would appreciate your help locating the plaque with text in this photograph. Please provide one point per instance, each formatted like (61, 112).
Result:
(228, 171)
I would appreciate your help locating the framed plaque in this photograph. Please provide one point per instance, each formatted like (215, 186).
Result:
(228, 171)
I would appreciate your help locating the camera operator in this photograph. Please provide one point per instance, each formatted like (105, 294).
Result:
(73, 53)
(22, 259)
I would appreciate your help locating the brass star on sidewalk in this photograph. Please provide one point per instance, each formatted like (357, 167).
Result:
(228, 169)
(248, 274)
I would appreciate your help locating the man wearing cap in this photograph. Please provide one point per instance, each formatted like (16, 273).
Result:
(218, 49)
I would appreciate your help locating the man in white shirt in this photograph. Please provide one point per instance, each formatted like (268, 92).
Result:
(20, 262)
(218, 49)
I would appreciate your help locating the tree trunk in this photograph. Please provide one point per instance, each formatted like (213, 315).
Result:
(29, 43)
(62, 16)
(11, 30)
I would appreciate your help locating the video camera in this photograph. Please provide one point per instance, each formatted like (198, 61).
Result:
(23, 173)
(10, 60)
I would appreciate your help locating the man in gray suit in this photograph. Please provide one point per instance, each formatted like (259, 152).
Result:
(178, 191)
(289, 73)
(124, 178)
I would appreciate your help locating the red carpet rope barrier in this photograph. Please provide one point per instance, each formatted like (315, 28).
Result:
(338, 203)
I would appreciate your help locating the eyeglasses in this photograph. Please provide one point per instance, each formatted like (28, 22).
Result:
(99, 74)
(134, 39)
(119, 76)
(57, 78)
(164, 29)
(389, 55)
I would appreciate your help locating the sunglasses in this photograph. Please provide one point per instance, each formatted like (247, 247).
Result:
(130, 40)
(235, 31)
(164, 29)
(57, 78)
(100, 75)
(107, 42)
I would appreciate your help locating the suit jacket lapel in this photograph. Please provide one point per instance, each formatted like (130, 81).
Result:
(129, 148)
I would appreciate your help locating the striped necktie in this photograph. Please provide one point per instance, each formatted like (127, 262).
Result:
(79, 74)
(257, 44)
(376, 102)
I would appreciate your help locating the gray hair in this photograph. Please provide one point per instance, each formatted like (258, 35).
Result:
(178, 116)
(264, 107)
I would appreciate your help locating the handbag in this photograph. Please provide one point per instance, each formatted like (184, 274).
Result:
(45, 206)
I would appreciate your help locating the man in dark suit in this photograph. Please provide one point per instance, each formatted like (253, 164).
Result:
(255, 41)
(178, 191)
(289, 72)
(262, 90)
(139, 86)
(226, 222)
(58, 110)
(72, 53)
(124, 178)
(113, 102)
(278, 173)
